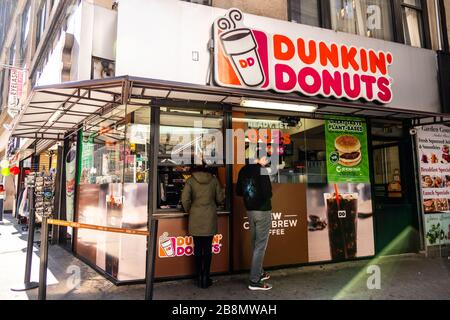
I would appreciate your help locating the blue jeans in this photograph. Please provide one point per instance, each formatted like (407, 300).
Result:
(260, 222)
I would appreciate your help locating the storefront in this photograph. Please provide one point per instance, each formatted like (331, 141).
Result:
(335, 120)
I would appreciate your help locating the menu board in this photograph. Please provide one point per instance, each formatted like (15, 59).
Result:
(433, 143)
(346, 147)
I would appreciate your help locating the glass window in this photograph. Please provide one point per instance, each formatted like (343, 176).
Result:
(41, 20)
(25, 27)
(137, 145)
(115, 149)
(305, 12)
(187, 138)
(103, 149)
(413, 23)
(370, 18)
(282, 138)
(386, 164)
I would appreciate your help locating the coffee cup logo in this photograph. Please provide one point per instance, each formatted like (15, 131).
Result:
(166, 244)
(240, 45)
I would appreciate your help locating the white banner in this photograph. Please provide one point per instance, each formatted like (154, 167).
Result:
(433, 143)
(16, 82)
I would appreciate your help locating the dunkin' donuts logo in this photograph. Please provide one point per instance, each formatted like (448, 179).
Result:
(170, 247)
(253, 59)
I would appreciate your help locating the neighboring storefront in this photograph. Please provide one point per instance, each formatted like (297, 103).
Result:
(334, 110)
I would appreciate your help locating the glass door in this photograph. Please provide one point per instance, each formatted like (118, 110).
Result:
(393, 189)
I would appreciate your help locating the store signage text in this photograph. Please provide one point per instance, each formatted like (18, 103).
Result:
(253, 59)
(15, 89)
(280, 222)
(179, 246)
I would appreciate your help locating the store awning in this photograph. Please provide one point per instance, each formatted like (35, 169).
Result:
(54, 110)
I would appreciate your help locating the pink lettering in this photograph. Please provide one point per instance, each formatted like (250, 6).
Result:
(282, 70)
(355, 92)
(385, 92)
(369, 82)
(311, 74)
(332, 83)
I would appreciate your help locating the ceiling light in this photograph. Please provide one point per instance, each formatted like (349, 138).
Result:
(272, 105)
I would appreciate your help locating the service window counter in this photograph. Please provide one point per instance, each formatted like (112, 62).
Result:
(113, 190)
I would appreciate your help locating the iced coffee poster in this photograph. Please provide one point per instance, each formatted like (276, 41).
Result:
(433, 144)
(340, 222)
(346, 148)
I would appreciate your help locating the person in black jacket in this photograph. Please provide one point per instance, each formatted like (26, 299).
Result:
(255, 187)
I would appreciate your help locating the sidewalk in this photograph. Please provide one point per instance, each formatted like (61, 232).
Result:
(402, 277)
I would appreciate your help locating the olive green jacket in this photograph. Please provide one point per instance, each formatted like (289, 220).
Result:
(200, 197)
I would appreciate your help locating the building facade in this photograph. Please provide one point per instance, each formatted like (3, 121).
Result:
(111, 91)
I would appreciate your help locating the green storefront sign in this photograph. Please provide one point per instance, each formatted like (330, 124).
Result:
(347, 156)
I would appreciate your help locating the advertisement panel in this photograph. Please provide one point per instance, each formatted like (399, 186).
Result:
(288, 240)
(346, 147)
(340, 229)
(433, 144)
(175, 250)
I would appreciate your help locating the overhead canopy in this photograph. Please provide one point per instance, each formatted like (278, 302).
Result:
(54, 110)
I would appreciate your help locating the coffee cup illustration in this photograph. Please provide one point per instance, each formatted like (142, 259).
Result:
(240, 45)
(166, 244)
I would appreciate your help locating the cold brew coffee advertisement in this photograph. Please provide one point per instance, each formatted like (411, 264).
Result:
(340, 222)
(71, 160)
(346, 147)
(433, 144)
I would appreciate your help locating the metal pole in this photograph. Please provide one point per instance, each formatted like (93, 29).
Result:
(151, 203)
(42, 293)
(150, 272)
(30, 243)
(2, 197)
(419, 196)
(438, 24)
(28, 285)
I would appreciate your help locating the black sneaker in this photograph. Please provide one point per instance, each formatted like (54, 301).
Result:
(261, 286)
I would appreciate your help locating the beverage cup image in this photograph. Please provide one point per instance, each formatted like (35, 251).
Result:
(342, 224)
(240, 45)
(166, 243)
(70, 182)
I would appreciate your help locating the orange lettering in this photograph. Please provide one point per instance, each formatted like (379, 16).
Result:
(286, 139)
(348, 58)
(377, 62)
(307, 58)
(364, 63)
(329, 54)
(281, 53)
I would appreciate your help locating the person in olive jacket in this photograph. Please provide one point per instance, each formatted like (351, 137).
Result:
(200, 197)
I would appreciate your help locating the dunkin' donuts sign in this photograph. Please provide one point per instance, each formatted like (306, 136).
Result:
(253, 59)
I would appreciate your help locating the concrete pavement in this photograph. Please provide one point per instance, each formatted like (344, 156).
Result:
(411, 276)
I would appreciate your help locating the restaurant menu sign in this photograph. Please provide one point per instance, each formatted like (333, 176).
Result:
(346, 150)
(433, 143)
(253, 59)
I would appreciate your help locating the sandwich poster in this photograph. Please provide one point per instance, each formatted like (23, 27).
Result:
(346, 148)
